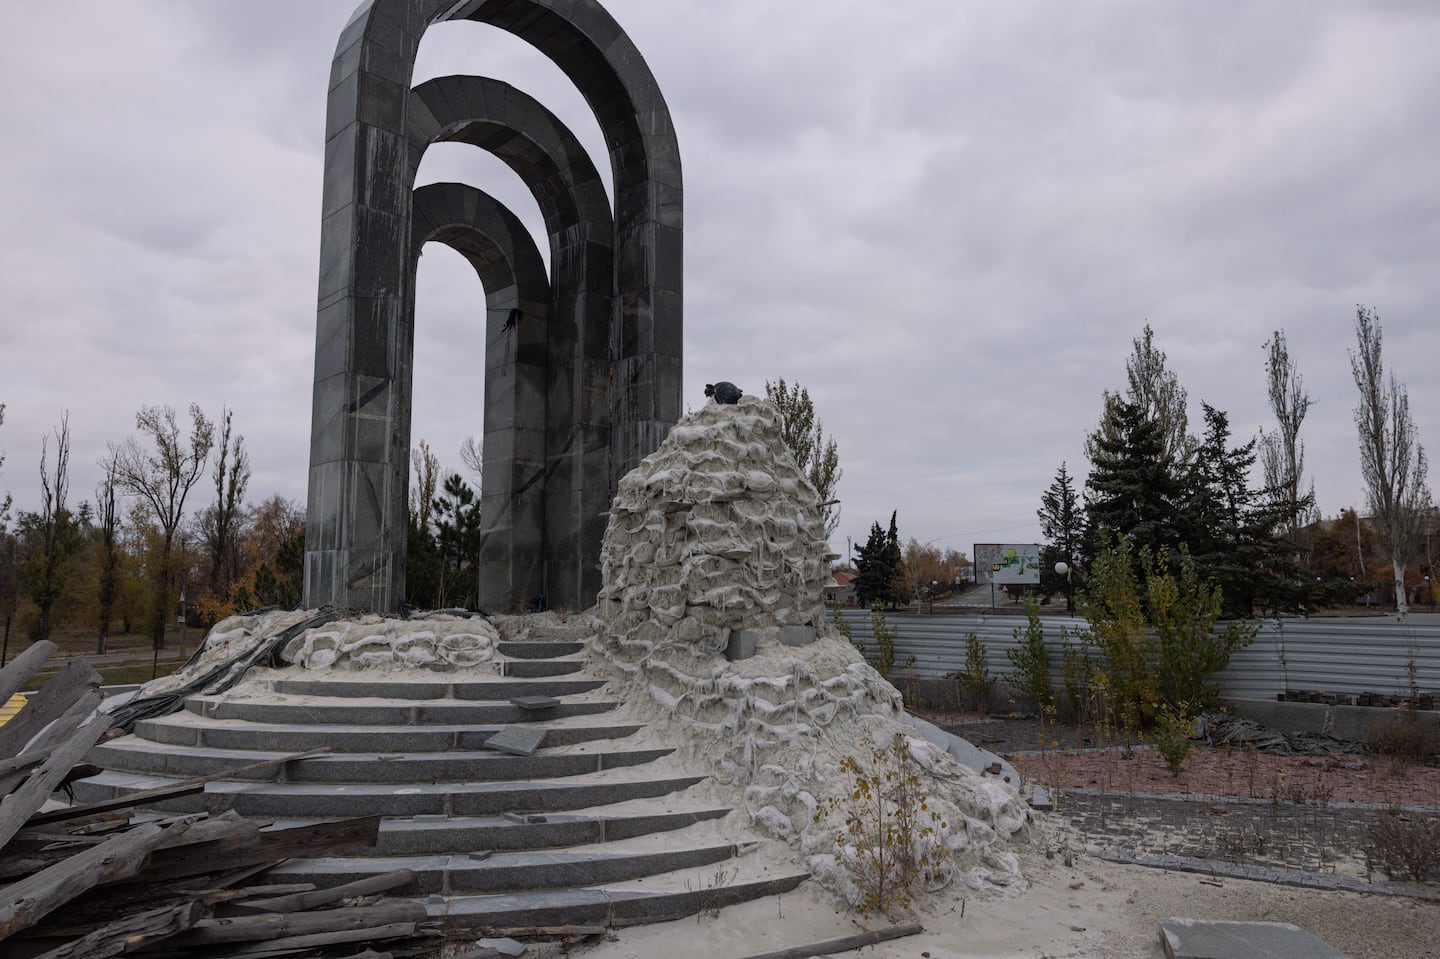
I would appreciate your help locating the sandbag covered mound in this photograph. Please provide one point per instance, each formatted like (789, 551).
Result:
(718, 534)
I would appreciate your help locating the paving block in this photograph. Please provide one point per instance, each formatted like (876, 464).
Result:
(517, 740)
(1220, 939)
(1040, 799)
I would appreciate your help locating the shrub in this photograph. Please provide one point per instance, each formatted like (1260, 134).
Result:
(1406, 738)
(1032, 660)
(1077, 672)
(889, 842)
(1173, 729)
(1404, 845)
(884, 659)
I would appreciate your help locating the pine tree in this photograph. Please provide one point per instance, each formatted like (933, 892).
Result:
(899, 583)
(1133, 489)
(872, 577)
(1062, 523)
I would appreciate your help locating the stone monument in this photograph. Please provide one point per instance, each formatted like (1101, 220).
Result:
(582, 366)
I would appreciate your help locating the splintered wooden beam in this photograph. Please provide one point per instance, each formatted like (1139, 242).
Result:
(132, 933)
(43, 707)
(22, 667)
(274, 926)
(291, 945)
(324, 897)
(187, 788)
(26, 902)
(22, 803)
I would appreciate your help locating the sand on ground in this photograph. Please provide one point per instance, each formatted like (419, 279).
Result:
(1091, 909)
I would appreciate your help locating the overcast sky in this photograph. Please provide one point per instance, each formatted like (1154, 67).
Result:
(947, 219)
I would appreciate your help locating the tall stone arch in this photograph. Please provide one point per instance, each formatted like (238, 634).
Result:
(517, 317)
(365, 326)
(580, 477)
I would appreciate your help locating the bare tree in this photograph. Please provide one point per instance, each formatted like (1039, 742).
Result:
(5, 503)
(471, 459)
(108, 578)
(161, 479)
(422, 494)
(1158, 393)
(1392, 460)
(9, 565)
(817, 455)
(1282, 455)
(221, 528)
(52, 530)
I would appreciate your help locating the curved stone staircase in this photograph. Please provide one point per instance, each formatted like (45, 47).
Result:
(579, 831)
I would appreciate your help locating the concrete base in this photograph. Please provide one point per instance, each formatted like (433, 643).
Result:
(1358, 723)
(1215, 939)
(742, 642)
(983, 761)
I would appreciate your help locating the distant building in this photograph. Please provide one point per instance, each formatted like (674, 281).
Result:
(841, 588)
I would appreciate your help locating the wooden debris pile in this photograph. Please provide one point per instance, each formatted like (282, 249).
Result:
(112, 878)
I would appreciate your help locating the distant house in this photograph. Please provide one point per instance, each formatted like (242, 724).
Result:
(841, 588)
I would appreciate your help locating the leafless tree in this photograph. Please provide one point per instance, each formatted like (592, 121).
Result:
(1282, 455)
(471, 459)
(108, 527)
(1392, 460)
(161, 479)
(53, 529)
(1158, 393)
(427, 476)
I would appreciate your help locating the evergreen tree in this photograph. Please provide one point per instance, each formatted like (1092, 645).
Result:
(1133, 489)
(872, 570)
(1159, 395)
(899, 583)
(1235, 533)
(457, 540)
(1062, 523)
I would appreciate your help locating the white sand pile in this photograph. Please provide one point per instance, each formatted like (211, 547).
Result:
(719, 531)
(435, 640)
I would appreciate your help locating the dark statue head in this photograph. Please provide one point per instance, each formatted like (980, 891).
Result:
(723, 392)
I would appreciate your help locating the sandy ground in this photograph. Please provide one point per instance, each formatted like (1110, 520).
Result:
(1092, 909)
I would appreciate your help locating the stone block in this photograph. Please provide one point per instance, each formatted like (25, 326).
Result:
(517, 740)
(1219, 939)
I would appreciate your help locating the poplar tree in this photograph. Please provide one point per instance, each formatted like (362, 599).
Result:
(1392, 461)
(817, 455)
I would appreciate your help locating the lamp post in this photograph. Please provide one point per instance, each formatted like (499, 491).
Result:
(1062, 568)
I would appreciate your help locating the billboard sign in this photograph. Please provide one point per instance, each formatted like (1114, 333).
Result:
(1007, 564)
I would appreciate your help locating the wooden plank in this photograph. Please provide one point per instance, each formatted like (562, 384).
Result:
(22, 667)
(17, 807)
(550, 932)
(26, 902)
(14, 771)
(60, 730)
(132, 933)
(50, 702)
(845, 943)
(293, 944)
(286, 925)
(188, 787)
(324, 897)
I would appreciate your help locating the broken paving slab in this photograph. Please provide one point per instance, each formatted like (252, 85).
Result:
(517, 740)
(1222, 939)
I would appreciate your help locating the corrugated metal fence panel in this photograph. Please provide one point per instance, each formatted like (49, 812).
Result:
(1335, 655)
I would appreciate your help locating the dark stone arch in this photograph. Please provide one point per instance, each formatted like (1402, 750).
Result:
(364, 332)
(580, 478)
(517, 317)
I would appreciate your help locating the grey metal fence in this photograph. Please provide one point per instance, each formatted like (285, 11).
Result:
(1334, 655)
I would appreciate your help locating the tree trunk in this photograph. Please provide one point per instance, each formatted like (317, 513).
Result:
(162, 601)
(1402, 606)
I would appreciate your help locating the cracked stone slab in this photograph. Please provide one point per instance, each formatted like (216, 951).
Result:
(1220, 939)
(517, 740)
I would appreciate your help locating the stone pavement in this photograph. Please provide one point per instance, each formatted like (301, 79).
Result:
(1217, 939)
(1317, 845)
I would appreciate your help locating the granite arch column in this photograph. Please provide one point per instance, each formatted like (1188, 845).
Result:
(580, 480)
(517, 318)
(364, 331)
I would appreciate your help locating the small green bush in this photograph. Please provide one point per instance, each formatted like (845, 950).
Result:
(1173, 729)
(1032, 661)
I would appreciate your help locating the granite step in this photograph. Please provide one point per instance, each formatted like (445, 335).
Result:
(337, 800)
(136, 755)
(500, 872)
(189, 729)
(545, 649)
(483, 689)
(661, 899)
(420, 835)
(375, 711)
(541, 668)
